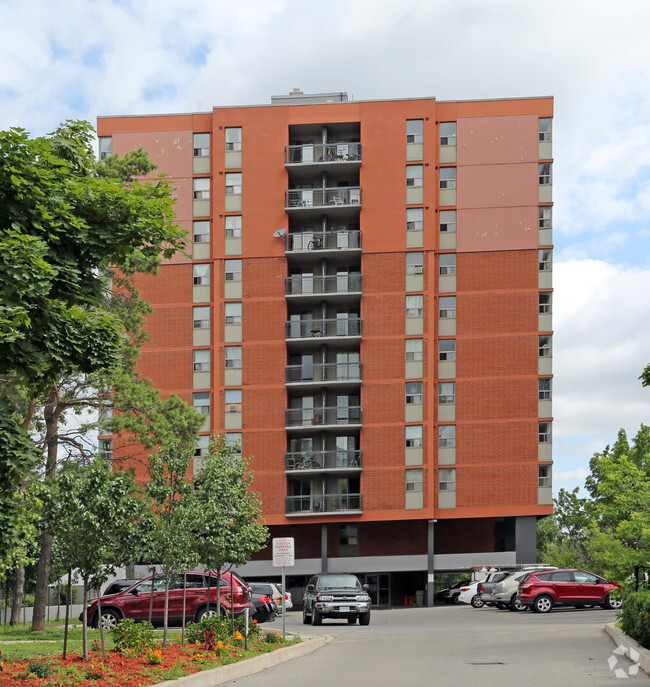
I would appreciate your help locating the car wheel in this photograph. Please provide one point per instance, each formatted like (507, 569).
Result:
(109, 620)
(501, 606)
(364, 618)
(317, 617)
(516, 605)
(477, 602)
(306, 619)
(456, 599)
(612, 603)
(212, 613)
(352, 620)
(543, 604)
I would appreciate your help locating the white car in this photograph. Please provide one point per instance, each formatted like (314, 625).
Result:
(469, 593)
(288, 601)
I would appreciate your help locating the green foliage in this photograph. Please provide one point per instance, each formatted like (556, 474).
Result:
(645, 376)
(240, 626)
(39, 668)
(132, 638)
(195, 632)
(635, 616)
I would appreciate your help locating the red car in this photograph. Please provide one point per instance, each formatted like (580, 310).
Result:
(134, 601)
(547, 588)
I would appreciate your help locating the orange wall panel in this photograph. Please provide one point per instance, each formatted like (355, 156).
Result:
(501, 228)
(497, 186)
(497, 140)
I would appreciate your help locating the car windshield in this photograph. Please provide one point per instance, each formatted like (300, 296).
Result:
(339, 582)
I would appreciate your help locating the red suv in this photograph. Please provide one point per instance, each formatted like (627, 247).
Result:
(544, 589)
(134, 601)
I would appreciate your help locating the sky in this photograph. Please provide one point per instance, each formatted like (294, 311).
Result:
(77, 59)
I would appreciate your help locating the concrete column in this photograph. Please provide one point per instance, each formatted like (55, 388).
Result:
(430, 572)
(526, 539)
(323, 547)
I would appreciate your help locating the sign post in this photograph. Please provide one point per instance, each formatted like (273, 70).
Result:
(283, 555)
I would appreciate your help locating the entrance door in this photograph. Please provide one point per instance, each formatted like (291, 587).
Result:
(345, 451)
(379, 589)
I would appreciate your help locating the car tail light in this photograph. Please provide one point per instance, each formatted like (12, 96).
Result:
(479, 589)
(286, 596)
(265, 599)
(464, 589)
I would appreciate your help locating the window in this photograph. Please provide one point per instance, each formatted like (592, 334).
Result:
(201, 446)
(544, 388)
(447, 264)
(544, 346)
(233, 138)
(234, 439)
(232, 312)
(414, 480)
(447, 307)
(349, 535)
(544, 259)
(414, 306)
(201, 317)
(414, 219)
(448, 220)
(544, 432)
(105, 146)
(201, 402)
(201, 231)
(544, 128)
(233, 184)
(106, 449)
(414, 263)
(413, 349)
(201, 145)
(446, 393)
(544, 302)
(544, 473)
(544, 172)
(447, 133)
(414, 130)
(233, 270)
(201, 188)
(233, 400)
(413, 436)
(414, 175)
(202, 360)
(447, 177)
(447, 479)
(544, 216)
(414, 393)
(201, 273)
(232, 356)
(447, 350)
(233, 226)
(447, 436)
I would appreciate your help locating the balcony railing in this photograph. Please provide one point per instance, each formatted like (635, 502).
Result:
(322, 460)
(322, 197)
(310, 284)
(317, 153)
(323, 372)
(346, 239)
(310, 328)
(319, 417)
(323, 503)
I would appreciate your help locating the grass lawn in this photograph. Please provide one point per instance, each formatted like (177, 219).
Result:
(47, 643)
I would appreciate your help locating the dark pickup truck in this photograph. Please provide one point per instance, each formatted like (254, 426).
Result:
(335, 595)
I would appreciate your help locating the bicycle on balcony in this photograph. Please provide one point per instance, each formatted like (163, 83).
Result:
(307, 463)
(315, 243)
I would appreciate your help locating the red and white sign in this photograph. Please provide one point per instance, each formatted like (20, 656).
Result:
(283, 552)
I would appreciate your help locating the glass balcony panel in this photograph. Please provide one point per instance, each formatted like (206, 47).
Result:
(309, 328)
(309, 284)
(323, 372)
(341, 239)
(332, 416)
(323, 460)
(345, 196)
(323, 503)
(311, 153)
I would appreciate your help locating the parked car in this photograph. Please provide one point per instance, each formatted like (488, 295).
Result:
(335, 595)
(542, 590)
(134, 601)
(118, 585)
(264, 608)
(451, 595)
(288, 601)
(470, 594)
(269, 589)
(504, 594)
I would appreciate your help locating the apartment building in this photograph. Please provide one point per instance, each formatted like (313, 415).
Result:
(367, 312)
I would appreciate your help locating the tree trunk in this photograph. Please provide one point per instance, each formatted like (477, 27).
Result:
(51, 414)
(17, 596)
(68, 596)
(84, 622)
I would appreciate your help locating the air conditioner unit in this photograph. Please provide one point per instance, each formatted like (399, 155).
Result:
(234, 409)
(418, 269)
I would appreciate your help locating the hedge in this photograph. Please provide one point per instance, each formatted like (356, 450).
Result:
(635, 616)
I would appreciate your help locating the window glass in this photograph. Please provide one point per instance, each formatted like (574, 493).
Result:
(544, 346)
(544, 388)
(233, 226)
(201, 317)
(561, 576)
(233, 270)
(234, 439)
(544, 472)
(145, 587)
(447, 307)
(545, 128)
(413, 349)
(545, 216)
(585, 577)
(414, 219)
(544, 302)
(233, 356)
(446, 393)
(414, 306)
(447, 349)
(448, 220)
(201, 445)
(414, 263)
(201, 188)
(413, 436)
(544, 432)
(232, 396)
(544, 173)
(447, 133)
(105, 146)
(201, 145)
(447, 264)
(414, 175)
(447, 177)
(447, 436)
(201, 231)
(233, 183)
(447, 479)
(544, 259)
(201, 402)
(106, 449)
(414, 130)
(232, 313)
(233, 138)
(201, 273)
(201, 360)
(414, 392)
(414, 480)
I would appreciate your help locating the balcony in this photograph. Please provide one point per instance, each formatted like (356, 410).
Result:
(320, 504)
(314, 287)
(323, 373)
(321, 330)
(323, 242)
(323, 154)
(322, 461)
(330, 199)
(323, 418)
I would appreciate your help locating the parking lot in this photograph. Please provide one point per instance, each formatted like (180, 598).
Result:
(454, 645)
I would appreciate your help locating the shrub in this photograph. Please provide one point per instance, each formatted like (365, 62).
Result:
(253, 627)
(39, 668)
(272, 638)
(195, 632)
(635, 616)
(131, 637)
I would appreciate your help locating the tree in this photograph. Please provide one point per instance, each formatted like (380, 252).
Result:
(645, 376)
(224, 514)
(96, 517)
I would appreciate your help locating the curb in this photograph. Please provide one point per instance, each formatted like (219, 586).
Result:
(217, 676)
(631, 649)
